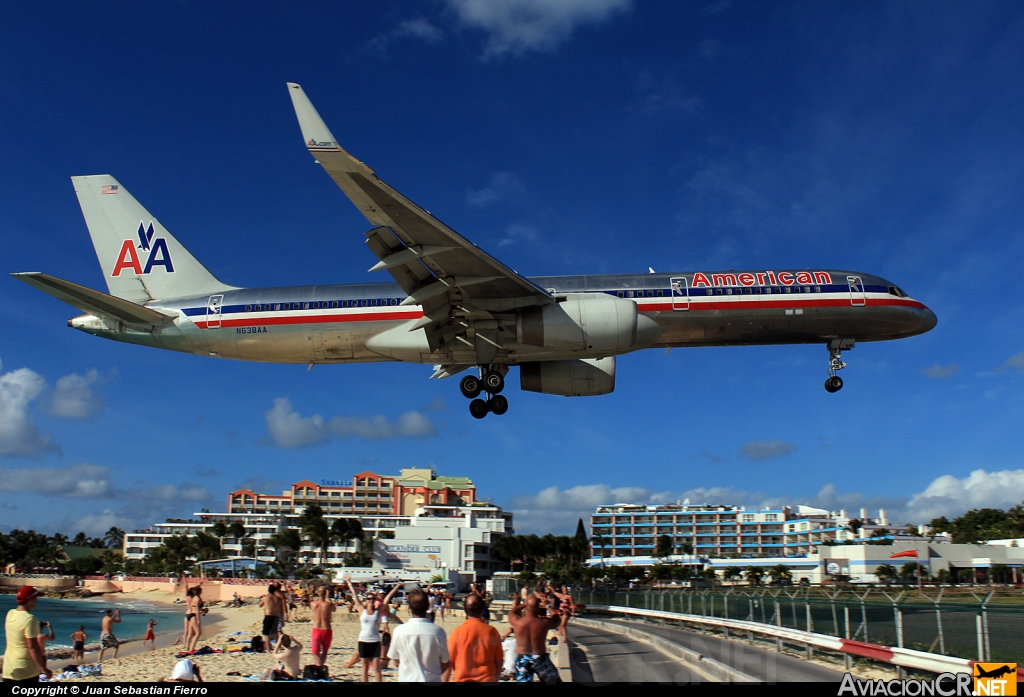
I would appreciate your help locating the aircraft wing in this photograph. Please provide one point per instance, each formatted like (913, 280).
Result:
(93, 301)
(441, 270)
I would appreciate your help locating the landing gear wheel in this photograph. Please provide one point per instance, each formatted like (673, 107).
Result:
(498, 404)
(494, 382)
(470, 386)
(834, 384)
(478, 408)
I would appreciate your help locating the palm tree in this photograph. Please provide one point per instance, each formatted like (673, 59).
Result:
(319, 534)
(780, 573)
(344, 530)
(176, 551)
(599, 541)
(754, 575)
(206, 546)
(114, 537)
(686, 548)
(886, 573)
(732, 572)
(81, 540)
(286, 544)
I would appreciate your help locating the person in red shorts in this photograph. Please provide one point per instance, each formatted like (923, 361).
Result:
(323, 612)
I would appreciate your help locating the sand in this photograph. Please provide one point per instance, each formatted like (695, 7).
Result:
(135, 665)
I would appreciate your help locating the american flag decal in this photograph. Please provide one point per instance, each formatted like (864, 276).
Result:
(109, 189)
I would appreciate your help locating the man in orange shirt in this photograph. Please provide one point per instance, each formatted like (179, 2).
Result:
(475, 647)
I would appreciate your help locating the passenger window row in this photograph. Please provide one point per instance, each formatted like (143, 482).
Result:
(322, 305)
(756, 290)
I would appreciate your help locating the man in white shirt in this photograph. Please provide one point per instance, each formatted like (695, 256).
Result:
(419, 647)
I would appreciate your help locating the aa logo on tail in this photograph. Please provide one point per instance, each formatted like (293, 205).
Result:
(128, 257)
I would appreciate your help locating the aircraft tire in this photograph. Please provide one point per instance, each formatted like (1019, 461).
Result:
(499, 404)
(494, 382)
(478, 408)
(470, 386)
(834, 384)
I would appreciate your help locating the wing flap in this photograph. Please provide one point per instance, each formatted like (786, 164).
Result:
(93, 301)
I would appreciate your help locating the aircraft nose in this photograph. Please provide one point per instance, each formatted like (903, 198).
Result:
(924, 320)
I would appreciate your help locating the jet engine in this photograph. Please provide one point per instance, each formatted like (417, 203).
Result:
(593, 322)
(587, 377)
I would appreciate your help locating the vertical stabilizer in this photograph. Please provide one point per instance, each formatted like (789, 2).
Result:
(141, 260)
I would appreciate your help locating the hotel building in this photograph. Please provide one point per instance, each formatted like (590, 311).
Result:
(628, 530)
(384, 505)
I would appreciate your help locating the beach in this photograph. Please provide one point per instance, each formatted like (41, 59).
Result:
(235, 627)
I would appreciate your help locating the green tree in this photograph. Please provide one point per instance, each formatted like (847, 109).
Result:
(663, 546)
(731, 573)
(886, 573)
(286, 544)
(780, 574)
(114, 538)
(319, 534)
(754, 575)
(686, 548)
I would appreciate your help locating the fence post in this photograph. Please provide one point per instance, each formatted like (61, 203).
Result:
(981, 639)
(846, 621)
(810, 628)
(778, 622)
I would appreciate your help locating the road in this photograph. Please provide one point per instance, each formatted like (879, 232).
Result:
(603, 656)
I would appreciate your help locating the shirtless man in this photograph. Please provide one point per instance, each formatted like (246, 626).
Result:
(107, 638)
(531, 630)
(323, 610)
(273, 609)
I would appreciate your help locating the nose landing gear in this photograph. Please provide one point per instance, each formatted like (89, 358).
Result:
(834, 383)
(491, 381)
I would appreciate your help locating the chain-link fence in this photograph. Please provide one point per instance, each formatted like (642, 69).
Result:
(980, 630)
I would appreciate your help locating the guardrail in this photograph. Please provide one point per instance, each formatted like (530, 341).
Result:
(896, 656)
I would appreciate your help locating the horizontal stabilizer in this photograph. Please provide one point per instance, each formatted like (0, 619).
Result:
(93, 301)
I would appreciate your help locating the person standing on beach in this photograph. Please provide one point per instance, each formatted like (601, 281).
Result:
(323, 611)
(78, 640)
(474, 647)
(271, 604)
(368, 642)
(150, 635)
(24, 658)
(419, 647)
(107, 638)
(531, 628)
(198, 610)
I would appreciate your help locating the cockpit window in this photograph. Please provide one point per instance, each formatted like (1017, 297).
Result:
(893, 290)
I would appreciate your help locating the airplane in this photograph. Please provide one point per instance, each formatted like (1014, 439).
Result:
(451, 304)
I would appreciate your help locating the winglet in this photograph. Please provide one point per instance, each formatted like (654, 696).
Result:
(314, 131)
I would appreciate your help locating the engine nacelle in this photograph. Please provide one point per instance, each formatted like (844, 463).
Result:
(587, 377)
(587, 322)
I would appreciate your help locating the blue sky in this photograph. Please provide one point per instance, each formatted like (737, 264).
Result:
(585, 136)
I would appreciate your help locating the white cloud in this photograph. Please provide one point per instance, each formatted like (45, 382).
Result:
(73, 397)
(19, 436)
(417, 28)
(518, 232)
(76, 481)
(938, 372)
(289, 429)
(516, 26)
(502, 187)
(950, 496)
(1015, 362)
(765, 449)
(97, 524)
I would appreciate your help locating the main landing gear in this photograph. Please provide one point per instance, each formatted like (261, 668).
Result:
(491, 382)
(834, 383)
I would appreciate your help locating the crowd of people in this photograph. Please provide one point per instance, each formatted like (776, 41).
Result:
(419, 647)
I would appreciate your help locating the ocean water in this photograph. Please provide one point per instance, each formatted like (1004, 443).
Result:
(67, 615)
